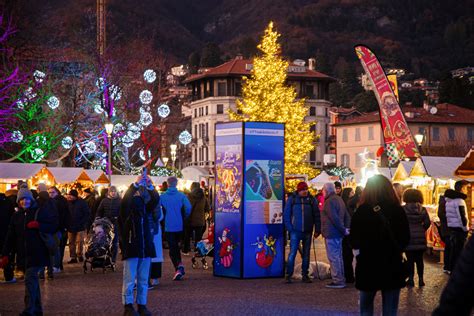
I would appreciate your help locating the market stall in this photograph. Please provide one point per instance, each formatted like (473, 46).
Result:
(321, 179)
(11, 172)
(67, 178)
(466, 171)
(97, 176)
(402, 171)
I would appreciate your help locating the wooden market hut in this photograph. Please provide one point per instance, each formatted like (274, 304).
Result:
(11, 172)
(97, 176)
(465, 170)
(67, 176)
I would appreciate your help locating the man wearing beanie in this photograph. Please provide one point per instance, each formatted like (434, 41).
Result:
(79, 212)
(301, 216)
(36, 220)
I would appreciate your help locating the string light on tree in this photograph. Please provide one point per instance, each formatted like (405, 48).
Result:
(67, 142)
(100, 83)
(145, 119)
(164, 110)
(146, 97)
(142, 154)
(53, 102)
(90, 147)
(133, 131)
(98, 108)
(115, 92)
(118, 128)
(29, 94)
(149, 75)
(37, 154)
(40, 140)
(39, 76)
(185, 138)
(127, 141)
(20, 104)
(17, 136)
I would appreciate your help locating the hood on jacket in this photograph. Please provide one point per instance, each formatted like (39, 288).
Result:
(413, 207)
(197, 193)
(172, 191)
(452, 194)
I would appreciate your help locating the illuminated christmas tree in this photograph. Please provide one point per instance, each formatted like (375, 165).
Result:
(267, 98)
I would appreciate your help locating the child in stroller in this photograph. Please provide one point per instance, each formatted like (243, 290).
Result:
(99, 245)
(204, 248)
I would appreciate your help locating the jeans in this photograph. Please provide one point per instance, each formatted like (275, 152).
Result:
(334, 253)
(295, 238)
(76, 244)
(173, 242)
(32, 292)
(415, 257)
(135, 269)
(457, 240)
(188, 235)
(389, 302)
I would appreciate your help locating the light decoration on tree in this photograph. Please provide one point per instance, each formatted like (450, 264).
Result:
(142, 154)
(98, 108)
(100, 83)
(30, 94)
(118, 128)
(164, 111)
(145, 119)
(369, 169)
(37, 154)
(39, 76)
(146, 97)
(115, 92)
(17, 137)
(268, 98)
(133, 131)
(67, 142)
(185, 138)
(90, 147)
(53, 102)
(20, 104)
(159, 171)
(40, 140)
(149, 75)
(127, 141)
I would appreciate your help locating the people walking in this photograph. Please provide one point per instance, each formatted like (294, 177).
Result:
(335, 222)
(197, 220)
(176, 208)
(64, 221)
(456, 217)
(444, 233)
(80, 213)
(347, 256)
(136, 243)
(301, 217)
(379, 234)
(110, 208)
(419, 222)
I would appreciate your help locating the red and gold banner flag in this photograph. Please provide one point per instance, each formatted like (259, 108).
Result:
(394, 85)
(394, 126)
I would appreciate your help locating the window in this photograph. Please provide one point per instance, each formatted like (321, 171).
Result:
(436, 133)
(195, 112)
(309, 91)
(200, 111)
(195, 154)
(220, 109)
(421, 130)
(359, 161)
(312, 155)
(470, 134)
(313, 128)
(344, 135)
(207, 110)
(207, 130)
(357, 134)
(207, 154)
(451, 133)
(326, 112)
(371, 133)
(195, 131)
(345, 160)
(221, 89)
(312, 111)
(238, 89)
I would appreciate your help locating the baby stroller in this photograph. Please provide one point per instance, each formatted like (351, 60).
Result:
(204, 248)
(99, 246)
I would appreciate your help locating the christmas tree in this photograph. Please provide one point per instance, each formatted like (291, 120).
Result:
(267, 98)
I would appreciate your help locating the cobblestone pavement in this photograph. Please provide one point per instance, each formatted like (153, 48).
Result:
(75, 293)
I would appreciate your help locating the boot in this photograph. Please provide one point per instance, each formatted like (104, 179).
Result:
(306, 279)
(410, 282)
(143, 311)
(129, 310)
(288, 279)
(421, 283)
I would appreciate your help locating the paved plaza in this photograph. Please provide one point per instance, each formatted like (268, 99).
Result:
(200, 293)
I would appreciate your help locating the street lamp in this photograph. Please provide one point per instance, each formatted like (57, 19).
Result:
(173, 148)
(109, 127)
(419, 139)
(165, 160)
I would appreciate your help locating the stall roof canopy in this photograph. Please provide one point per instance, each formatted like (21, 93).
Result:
(403, 170)
(194, 173)
(436, 167)
(97, 176)
(322, 179)
(68, 175)
(11, 172)
(466, 168)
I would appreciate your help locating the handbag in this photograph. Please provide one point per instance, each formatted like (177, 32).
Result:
(51, 241)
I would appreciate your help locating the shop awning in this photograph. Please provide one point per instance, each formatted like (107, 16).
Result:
(436, 167)
(97, 176)
(11, 172)
(466, 169)
(69, 175)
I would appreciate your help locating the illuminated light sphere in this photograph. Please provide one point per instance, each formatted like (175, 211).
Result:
(115, 92)
(66, 142)
(127, 141)
(20, 104)
(185, 137)
(141, 153)
(40, 140)
(146, 97)
(90, 147)
(29, 94)
(98, 108)
(100, 83)
(144, 109)
(133, 131)
(118, 128)
(145, 119)
(39, 76)
(17, 136)
(164, 110)
(53, 102)
(149, 75)
(37, 154)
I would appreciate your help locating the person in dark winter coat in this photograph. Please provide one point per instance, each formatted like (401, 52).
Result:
(458, 295)
(444, 233)
(354, 201)
(379, 234)
(419, 222)
(137, 242)
(7, 210)
(347, 256)
(80, 213)
(14, 246)
(36, 220)
(64, 220)
(197, 220)
(301, 216)
(110, 207)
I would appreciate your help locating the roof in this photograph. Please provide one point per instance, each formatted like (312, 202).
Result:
(321, 179)
(238, 67)
(69, 175)
(343, 111)
(403, 170)
(447, 114)
(436, 167)
(194, 173)
(97, 176)
(11, 172)
(466, 168)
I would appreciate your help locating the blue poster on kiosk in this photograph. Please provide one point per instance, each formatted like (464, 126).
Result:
(249, 200)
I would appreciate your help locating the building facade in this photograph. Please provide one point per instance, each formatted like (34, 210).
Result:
(215, 91)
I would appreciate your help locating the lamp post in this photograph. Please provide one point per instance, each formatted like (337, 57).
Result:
(419, 140)
(109, 127)
(173, 148)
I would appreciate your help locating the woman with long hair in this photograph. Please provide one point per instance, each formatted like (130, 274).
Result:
(379, 234)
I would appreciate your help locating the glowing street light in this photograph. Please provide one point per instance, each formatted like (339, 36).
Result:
(173, 148)
(109, 128)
